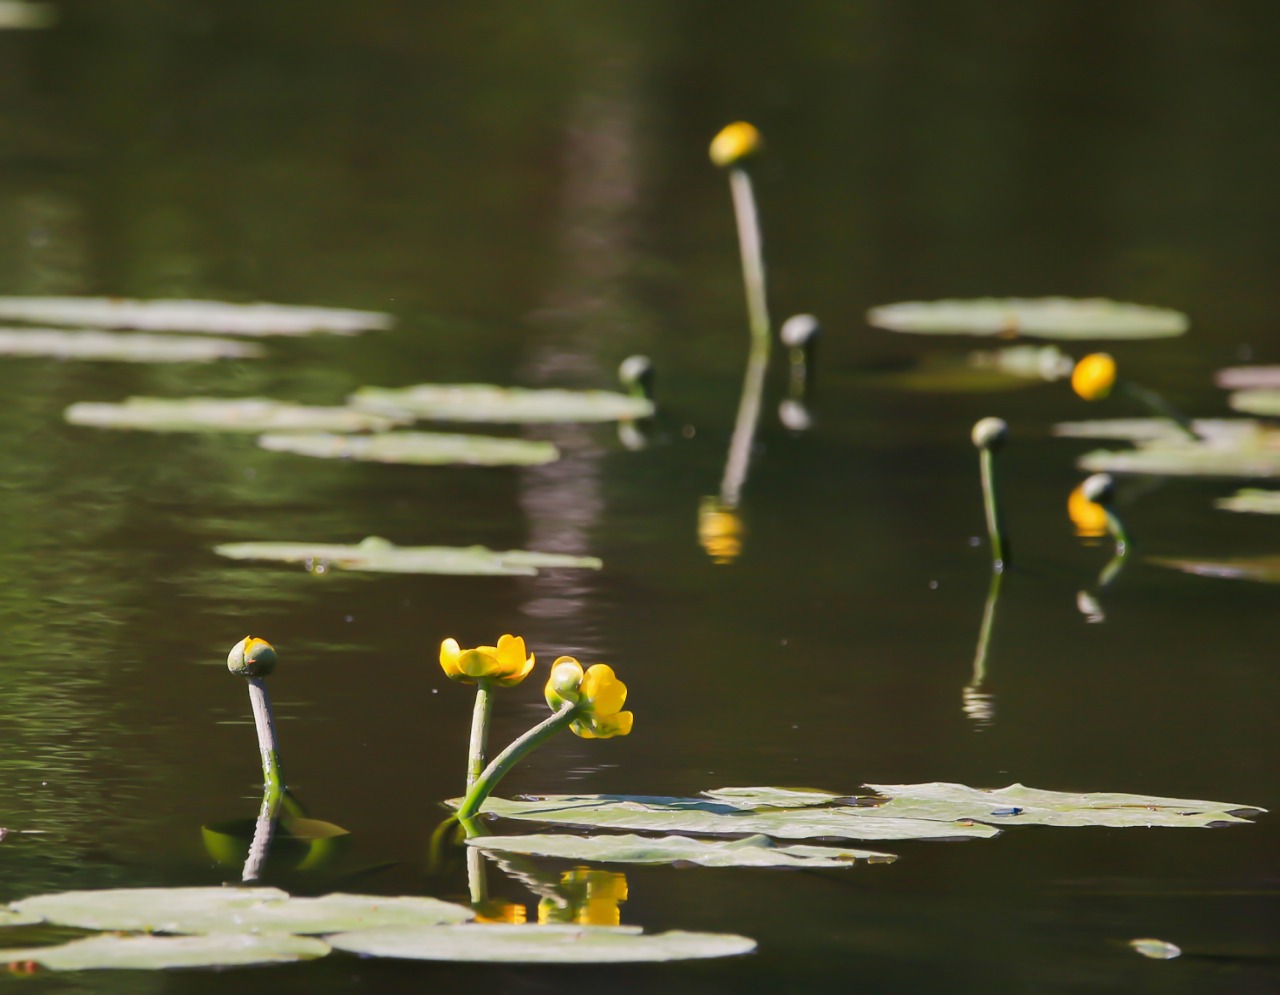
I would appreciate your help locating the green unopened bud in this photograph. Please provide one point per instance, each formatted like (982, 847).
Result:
(990, 433)
(563, 684)
(252, 657)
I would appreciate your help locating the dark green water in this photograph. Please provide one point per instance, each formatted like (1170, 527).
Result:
(525, 187)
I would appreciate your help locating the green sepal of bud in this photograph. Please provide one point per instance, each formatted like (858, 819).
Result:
(252, 657)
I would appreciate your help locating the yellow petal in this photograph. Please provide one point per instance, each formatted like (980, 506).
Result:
(1089, 517)
(604, 693)
(1094, 376)
(515, 665)
(480, 662)
(449, 653)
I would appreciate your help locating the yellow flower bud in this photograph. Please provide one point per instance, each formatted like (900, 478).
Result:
(598, 694)
(562, 685)
(504, 665)
(252, 657)
(1089, 517)
(734, 143)
(1094, 376)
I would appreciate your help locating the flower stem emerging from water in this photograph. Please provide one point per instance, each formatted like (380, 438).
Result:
(508, 758)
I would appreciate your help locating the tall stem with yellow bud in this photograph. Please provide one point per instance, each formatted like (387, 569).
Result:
(988, 435)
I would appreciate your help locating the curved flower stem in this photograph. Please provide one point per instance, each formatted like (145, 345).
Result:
(995, 524)
(509, 757)
(479, 731)
(1158, 404)
(272, 778)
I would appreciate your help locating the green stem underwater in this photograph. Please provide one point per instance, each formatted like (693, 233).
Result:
(479, 731)
(509, 757)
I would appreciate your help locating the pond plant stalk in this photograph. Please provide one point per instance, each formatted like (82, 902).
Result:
(255, 659)
(487, 667)
(989, 435)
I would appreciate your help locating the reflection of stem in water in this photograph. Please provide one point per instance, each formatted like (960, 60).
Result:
(979, 704)
(799, 334)
(263, 832)
(1100, 489)
(988, 435)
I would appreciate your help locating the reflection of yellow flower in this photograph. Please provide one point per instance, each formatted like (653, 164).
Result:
(598, 694)
(1089, 517)
(252, 657)
(719, 530)
(504, 665)
(735, 142)
(588, 898)
(500, 912)
(1094, 376)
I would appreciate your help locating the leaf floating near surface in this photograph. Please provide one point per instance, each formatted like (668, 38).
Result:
(24, 15)
(1156, 949)
(486, 403)
(218, 414)
(1191, 460)
(503, 943)
(1260, 401)
(754, 851)
(211, 317)
(420, 448)
(1263, 569)
(121, 347)
(1248, 377)
(1048, 317)
(158, 953)
(978, 372)
(1251, 500)
(12, 917)
(379, 555)
(1226, 432)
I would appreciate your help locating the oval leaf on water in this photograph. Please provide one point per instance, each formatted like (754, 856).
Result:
(158, 953)
(12, 917)
(772, 797)
(754, 851)
(420, 448)
(502, 943)
(1248, 377)
(1186, 460)
(121, 347)
(27, 15)
(220, 414)
(1260, 401)
(1263, 569)
(1251, 500)
(980, 372)
(380, 556)
(1226, 432)
(1156, 949)
(190, 316)
(1048, 317)
(487, 403)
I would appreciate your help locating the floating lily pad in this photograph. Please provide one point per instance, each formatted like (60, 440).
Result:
(158, 953)
(234, 910)
(1048, 317)
(422, 448)
(1260, 401)
(754, 851)
(498, 943)
(1252, 500)
(1263, 569)
(121, 347)
(379, 555)
(986, 371)
(1228, 432)
(756, 798)
(1156, 949)
(486, 403)
(219, 414)
(12, 917)
(711, 817)
(190, 316)
(1248, 377)
(21, 14)
(1020, 805)
(1189, 460)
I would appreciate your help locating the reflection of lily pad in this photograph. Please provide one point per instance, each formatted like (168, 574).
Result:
(540, 944)
(379, 555)
(190, 316)
(422, 448)
(157, 953)
(978, 372)
(218, 414)
(300, 843)
(1048, 317)
(1252, 500)
(754, 851)
(1264, 569)
(485, 403)
(121, 347)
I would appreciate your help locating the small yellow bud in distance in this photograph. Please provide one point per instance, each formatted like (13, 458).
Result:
(1094, 376)
(734, 143)
(252, 657)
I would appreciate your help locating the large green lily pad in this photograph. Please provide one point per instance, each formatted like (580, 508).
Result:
(1226, 432)
(221, 414)
(121, 347)
(1047, 317)
(487, 403)
(754, 851)
(12, 917)
(1185, 460)
(757, 798)
(496, 943)
(420, 448)
(190, 316)
(1263, 569)
(1260, 401)
(378, 555)
(234, 910)
(158, 953)
(1252, 500)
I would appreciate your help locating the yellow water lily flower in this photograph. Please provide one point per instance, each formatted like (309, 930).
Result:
(734, 143)
(504, 665)
(252, 657)
(598, 694)
(1089, 517)
(1094, 376)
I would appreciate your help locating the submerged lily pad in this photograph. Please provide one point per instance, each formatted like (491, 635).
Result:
(234, 910)
(159, 953)
(1263, 569)
(754, 851)
(486, 403)
(1048, 317)
(558, 944)
(379, 555)
(978, 372)
(190, 316)
(121, 347)
(1252, 500)
(421, 448)
(221, 414)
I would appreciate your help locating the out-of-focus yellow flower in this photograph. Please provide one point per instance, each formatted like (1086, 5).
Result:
(252, 657)
(1094, 376)
(589, 898)
(720, 530)
(598, 694)
(734, 143)
(502, 912)
(504, 665)
(1089, 517)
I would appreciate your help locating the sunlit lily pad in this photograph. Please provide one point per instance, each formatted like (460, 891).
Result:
(234, 910)
(1190, 460)
(221, 414)
(379, 555)
(772, 797)
(486, 403)
(190, 316)
(1260, 401)
(1252, 500)
(158, 953)
(12, 917)
(27, 15)
(498, 943)
(422, 448)
(1228, 432)
(1248, 377)
(980, 372)
(1156, 949)
(1048, 317)
(754, 851)
(121, 347)
(1263, 569)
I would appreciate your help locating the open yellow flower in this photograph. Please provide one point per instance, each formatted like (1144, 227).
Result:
(598, 694)
(1089, 517)
(504, 665)
(1094, 376)
(734, 142)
